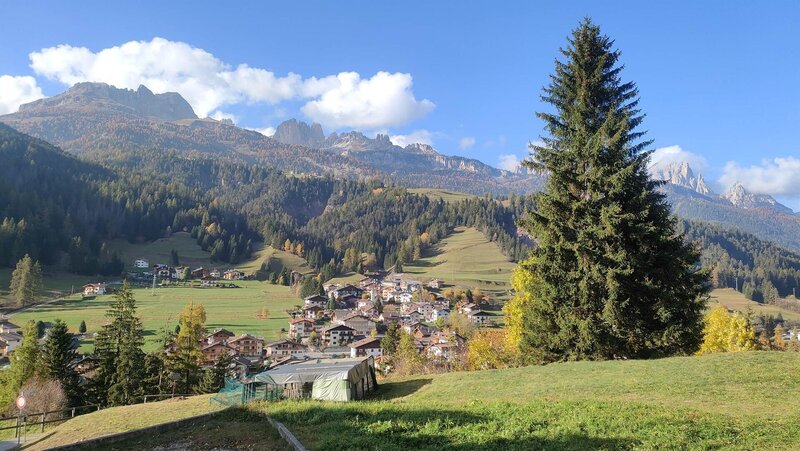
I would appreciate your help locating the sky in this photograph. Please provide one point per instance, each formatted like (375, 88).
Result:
(718, 80)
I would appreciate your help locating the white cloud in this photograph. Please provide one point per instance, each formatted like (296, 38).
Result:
(207, 83)
(220, 115)
(675, 154)
(466, 142)
(509, 162)
(778, 176)
(15, 91)
(267, 131)
(384, 100)
(417, 136)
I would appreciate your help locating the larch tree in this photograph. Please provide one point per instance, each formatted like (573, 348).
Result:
(613, 279)
(26, 280)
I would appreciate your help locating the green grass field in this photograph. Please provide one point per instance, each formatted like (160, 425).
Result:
(278, 260)
(721, 401)
(466, 259)
(236, 309)
(733, 300)
(446, 195)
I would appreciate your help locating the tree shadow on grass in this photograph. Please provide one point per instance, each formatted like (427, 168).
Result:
(392, 390)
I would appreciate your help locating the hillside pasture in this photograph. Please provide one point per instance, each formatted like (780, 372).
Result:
(720, 401)
(734, 300)
(466, 259)
(446, 195)
(236, 309)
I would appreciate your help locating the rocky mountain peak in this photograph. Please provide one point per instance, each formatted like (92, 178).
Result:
(299, 133)
(740, 197)
(169, 106)
(681, 174)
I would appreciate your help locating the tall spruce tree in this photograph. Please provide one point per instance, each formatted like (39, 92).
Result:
(611, 276)
(57, 355)
(119, 376)
(24, 365)
(26, 280)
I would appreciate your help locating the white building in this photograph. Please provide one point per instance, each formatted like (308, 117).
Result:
(141, 263)
(94, 289)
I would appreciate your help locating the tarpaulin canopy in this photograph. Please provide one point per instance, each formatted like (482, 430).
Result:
(330, 379)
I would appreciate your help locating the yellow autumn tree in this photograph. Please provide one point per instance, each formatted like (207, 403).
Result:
(516, 308)
(727, 332)
(489, 349)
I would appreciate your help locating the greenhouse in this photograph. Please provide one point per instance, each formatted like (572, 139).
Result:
(322, 379)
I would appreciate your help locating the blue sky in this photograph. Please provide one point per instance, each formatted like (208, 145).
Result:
(719, 79)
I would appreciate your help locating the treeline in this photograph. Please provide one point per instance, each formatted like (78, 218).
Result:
(52, 205)
(761, 270)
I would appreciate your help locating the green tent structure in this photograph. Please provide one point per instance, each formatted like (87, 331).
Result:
(322, 379)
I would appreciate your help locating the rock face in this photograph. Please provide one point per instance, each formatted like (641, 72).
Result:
(169, 106)
(681, 174)
(741, 198)
(299, 133)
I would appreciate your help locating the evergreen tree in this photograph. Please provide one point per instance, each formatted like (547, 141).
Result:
(82, 327)
(58, 353)
(26, 280)
(119, 376)
(174, 259)
(214, 377)
(613, 278)
(24, 364)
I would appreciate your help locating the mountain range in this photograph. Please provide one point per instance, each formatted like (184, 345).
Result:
(104, 124)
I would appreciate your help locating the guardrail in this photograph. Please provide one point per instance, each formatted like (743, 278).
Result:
(22, 422)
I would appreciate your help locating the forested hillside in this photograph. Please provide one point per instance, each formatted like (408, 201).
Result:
(52, 204)
(759, 269)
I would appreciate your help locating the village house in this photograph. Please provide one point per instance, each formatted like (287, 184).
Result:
(370, 346)
(337, 335)
(163, 271)
(94, 289)
(233, 274)
(315, 300)
(425, 308)
(200, 273)
(11, 341)
(361, 324)
(314, 312)
(440, 313)
(435, 284)
(212, 352)
(468, 308)
(479, 317)
(348, 290)
(445, 351)
(208, 281)
(363, 303)
(285, 348)
(219, 336)
(300, 328)
(3, 348)
(215, 273)
(248, 346)
(141, 263)
(7, 327)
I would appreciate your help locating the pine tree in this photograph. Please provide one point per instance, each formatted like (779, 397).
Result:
(82, 327)
(613, 279)
(174, 259)
(56, 359)
(119, 376)
(214, 377)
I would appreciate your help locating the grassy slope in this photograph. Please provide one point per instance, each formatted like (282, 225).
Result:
(466, 259)
(733, 300)
(728, 401)
(233, 308)
(446, 195)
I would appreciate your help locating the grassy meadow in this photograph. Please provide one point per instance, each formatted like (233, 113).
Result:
(236, 309)
(720, 401)
(466, 259)
(446, 195)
